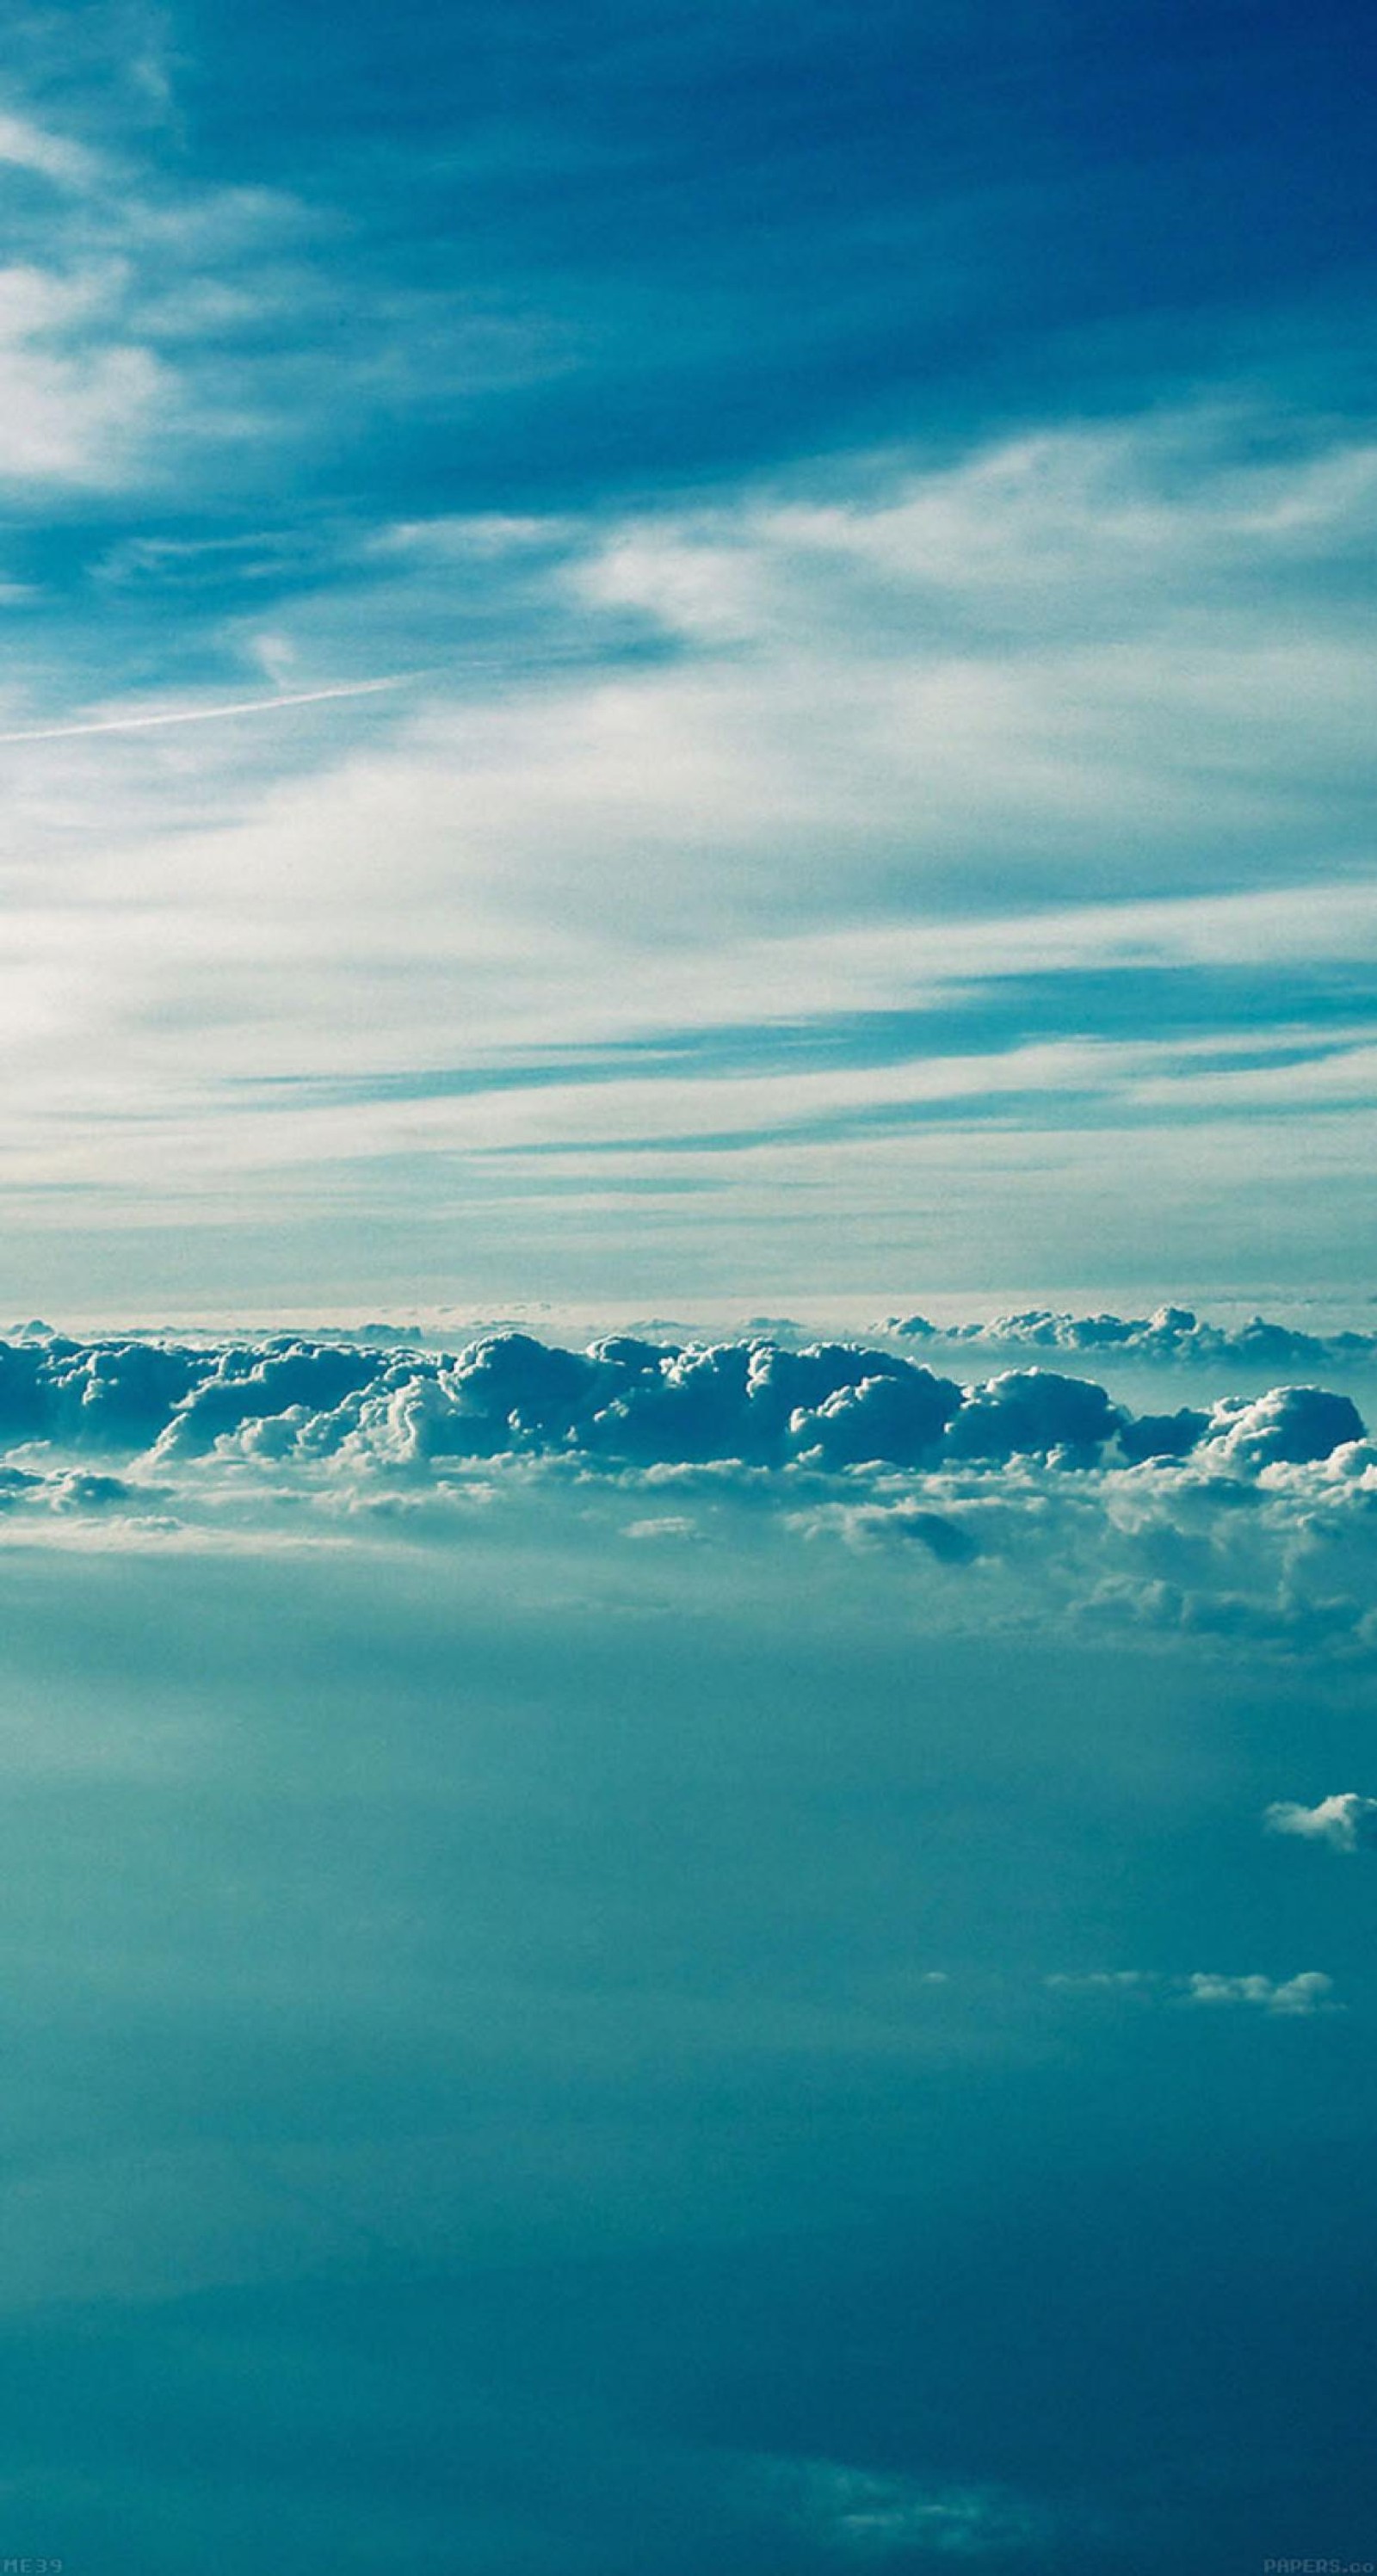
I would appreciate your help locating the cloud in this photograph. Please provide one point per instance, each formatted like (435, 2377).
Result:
(1034, 1413)
(1294, 1998)
(869, 718)
(1290, 1998)
(630, 1401)
(1025, 1498)
(27, 146)
(132, 340)
(869, 2514)
(1345, 1821)
(892, 1416)
(1288, 1426)
(1172, 1334)
(762, 1404)
(78, 395)
(710, 861)
(151, 722)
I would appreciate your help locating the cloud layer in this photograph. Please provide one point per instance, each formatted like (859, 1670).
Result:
(1171, 1333)
(624, 1401)
(901, 830)
(1030, 1496)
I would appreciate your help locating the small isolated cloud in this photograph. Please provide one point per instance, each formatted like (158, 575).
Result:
(1346, 1821)
(1309, 1993)
(864, 2514)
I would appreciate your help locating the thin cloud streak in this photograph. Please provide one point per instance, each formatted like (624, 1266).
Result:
(213, 715)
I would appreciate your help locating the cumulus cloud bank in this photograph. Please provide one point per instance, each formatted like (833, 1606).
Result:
(1170, 1333)
(1027, 1495)
(624, 1401)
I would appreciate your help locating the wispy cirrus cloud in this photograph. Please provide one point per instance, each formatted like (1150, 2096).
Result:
(723, 750)
(25, 145)
(80, 392)
(746, 760)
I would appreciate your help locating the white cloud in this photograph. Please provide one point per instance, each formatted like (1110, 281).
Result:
(152, 719)
(27, 146)
(1287, 1426)
(75, 396)
(1031, 1518)
(803, 816)
(1171, 1335)
(113, 332)
(1345, 1821)
(1292, 1998)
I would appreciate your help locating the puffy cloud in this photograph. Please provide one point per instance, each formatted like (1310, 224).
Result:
(119, 1393)
(896, 1417)
(693, 1404)
(1161, 1435)
(1026, 1496)
(1290, 1998)
(762, 1404)
(1034, 1413)
(904, 1520)
(1308, 1993)
(240, 1386)
(1291, 1426)
(75, 1492)
(624, 1400)
(1346, 1821)
(1170, 1333)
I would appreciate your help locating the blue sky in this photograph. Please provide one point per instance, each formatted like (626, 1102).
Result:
(845, 540)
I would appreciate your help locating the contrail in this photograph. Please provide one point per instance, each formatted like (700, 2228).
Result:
(212, 715)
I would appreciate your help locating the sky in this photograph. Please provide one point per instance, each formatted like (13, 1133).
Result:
(709, 654)
(688, 1362)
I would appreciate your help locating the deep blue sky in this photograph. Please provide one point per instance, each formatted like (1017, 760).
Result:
(755, 233)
